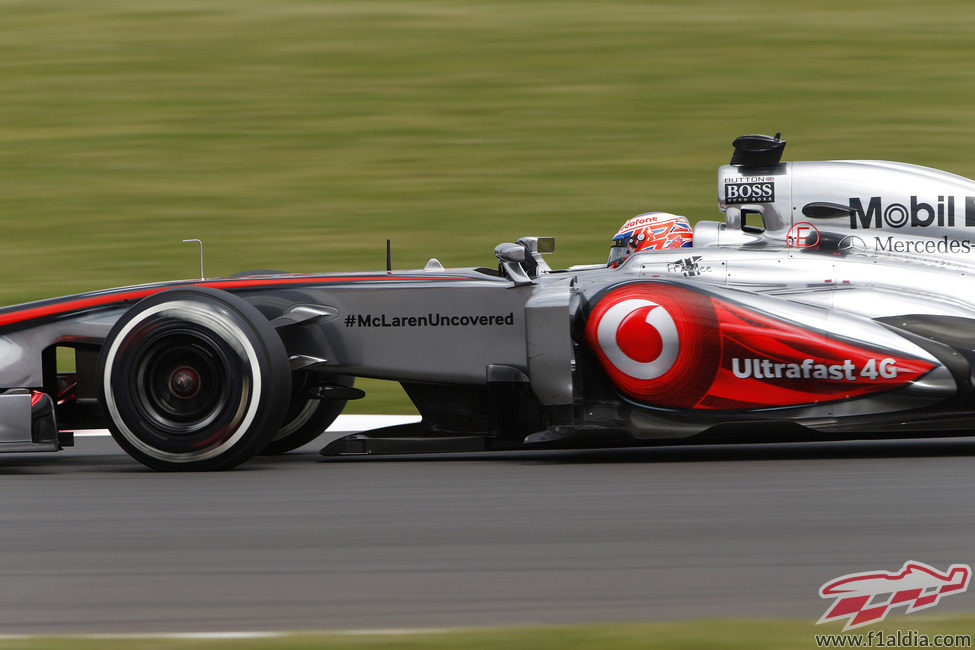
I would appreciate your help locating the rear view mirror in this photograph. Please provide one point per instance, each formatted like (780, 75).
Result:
(546, 244)
(538, 244)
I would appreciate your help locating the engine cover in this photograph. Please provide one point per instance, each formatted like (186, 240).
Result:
(675, 347)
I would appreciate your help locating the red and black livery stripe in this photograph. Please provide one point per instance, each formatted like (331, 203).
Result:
(54, 308)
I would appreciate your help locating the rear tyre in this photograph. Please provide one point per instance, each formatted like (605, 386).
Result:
(307, 418)
(193, 379)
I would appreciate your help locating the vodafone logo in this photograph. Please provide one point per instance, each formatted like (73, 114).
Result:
(668, 345)
(657, 342)
(639, 337)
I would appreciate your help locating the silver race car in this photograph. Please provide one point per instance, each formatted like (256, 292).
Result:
(833, 301)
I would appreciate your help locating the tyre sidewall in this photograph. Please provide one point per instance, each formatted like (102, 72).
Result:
(244, 346)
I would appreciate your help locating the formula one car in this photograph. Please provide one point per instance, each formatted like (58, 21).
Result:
(833, 301)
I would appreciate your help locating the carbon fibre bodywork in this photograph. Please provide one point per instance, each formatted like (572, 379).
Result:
(833, 301)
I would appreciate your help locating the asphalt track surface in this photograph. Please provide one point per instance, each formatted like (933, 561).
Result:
(93, 543)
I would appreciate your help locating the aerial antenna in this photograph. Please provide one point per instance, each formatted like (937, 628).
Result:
(389, 258)
(187, 241)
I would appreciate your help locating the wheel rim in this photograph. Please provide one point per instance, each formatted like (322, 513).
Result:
(181, 381)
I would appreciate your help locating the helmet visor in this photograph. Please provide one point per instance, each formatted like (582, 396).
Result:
(619, 251)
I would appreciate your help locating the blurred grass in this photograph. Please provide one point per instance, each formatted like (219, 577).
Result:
(299, 135)
(746, 634)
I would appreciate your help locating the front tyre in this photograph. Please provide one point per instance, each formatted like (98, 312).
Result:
(307, 417)
(193, 379)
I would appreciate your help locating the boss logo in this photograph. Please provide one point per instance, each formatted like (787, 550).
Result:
(749, 192)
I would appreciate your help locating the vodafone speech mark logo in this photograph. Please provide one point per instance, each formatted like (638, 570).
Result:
(639, 337)
(656, 341)
(865, 598)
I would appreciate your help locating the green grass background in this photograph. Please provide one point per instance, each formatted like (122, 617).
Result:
(686, 635)
(300, 134)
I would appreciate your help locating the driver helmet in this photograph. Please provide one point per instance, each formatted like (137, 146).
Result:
(650, 231)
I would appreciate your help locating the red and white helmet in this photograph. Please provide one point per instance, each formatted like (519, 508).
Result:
(650, 231)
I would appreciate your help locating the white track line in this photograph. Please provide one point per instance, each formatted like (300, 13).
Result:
(342, 424)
